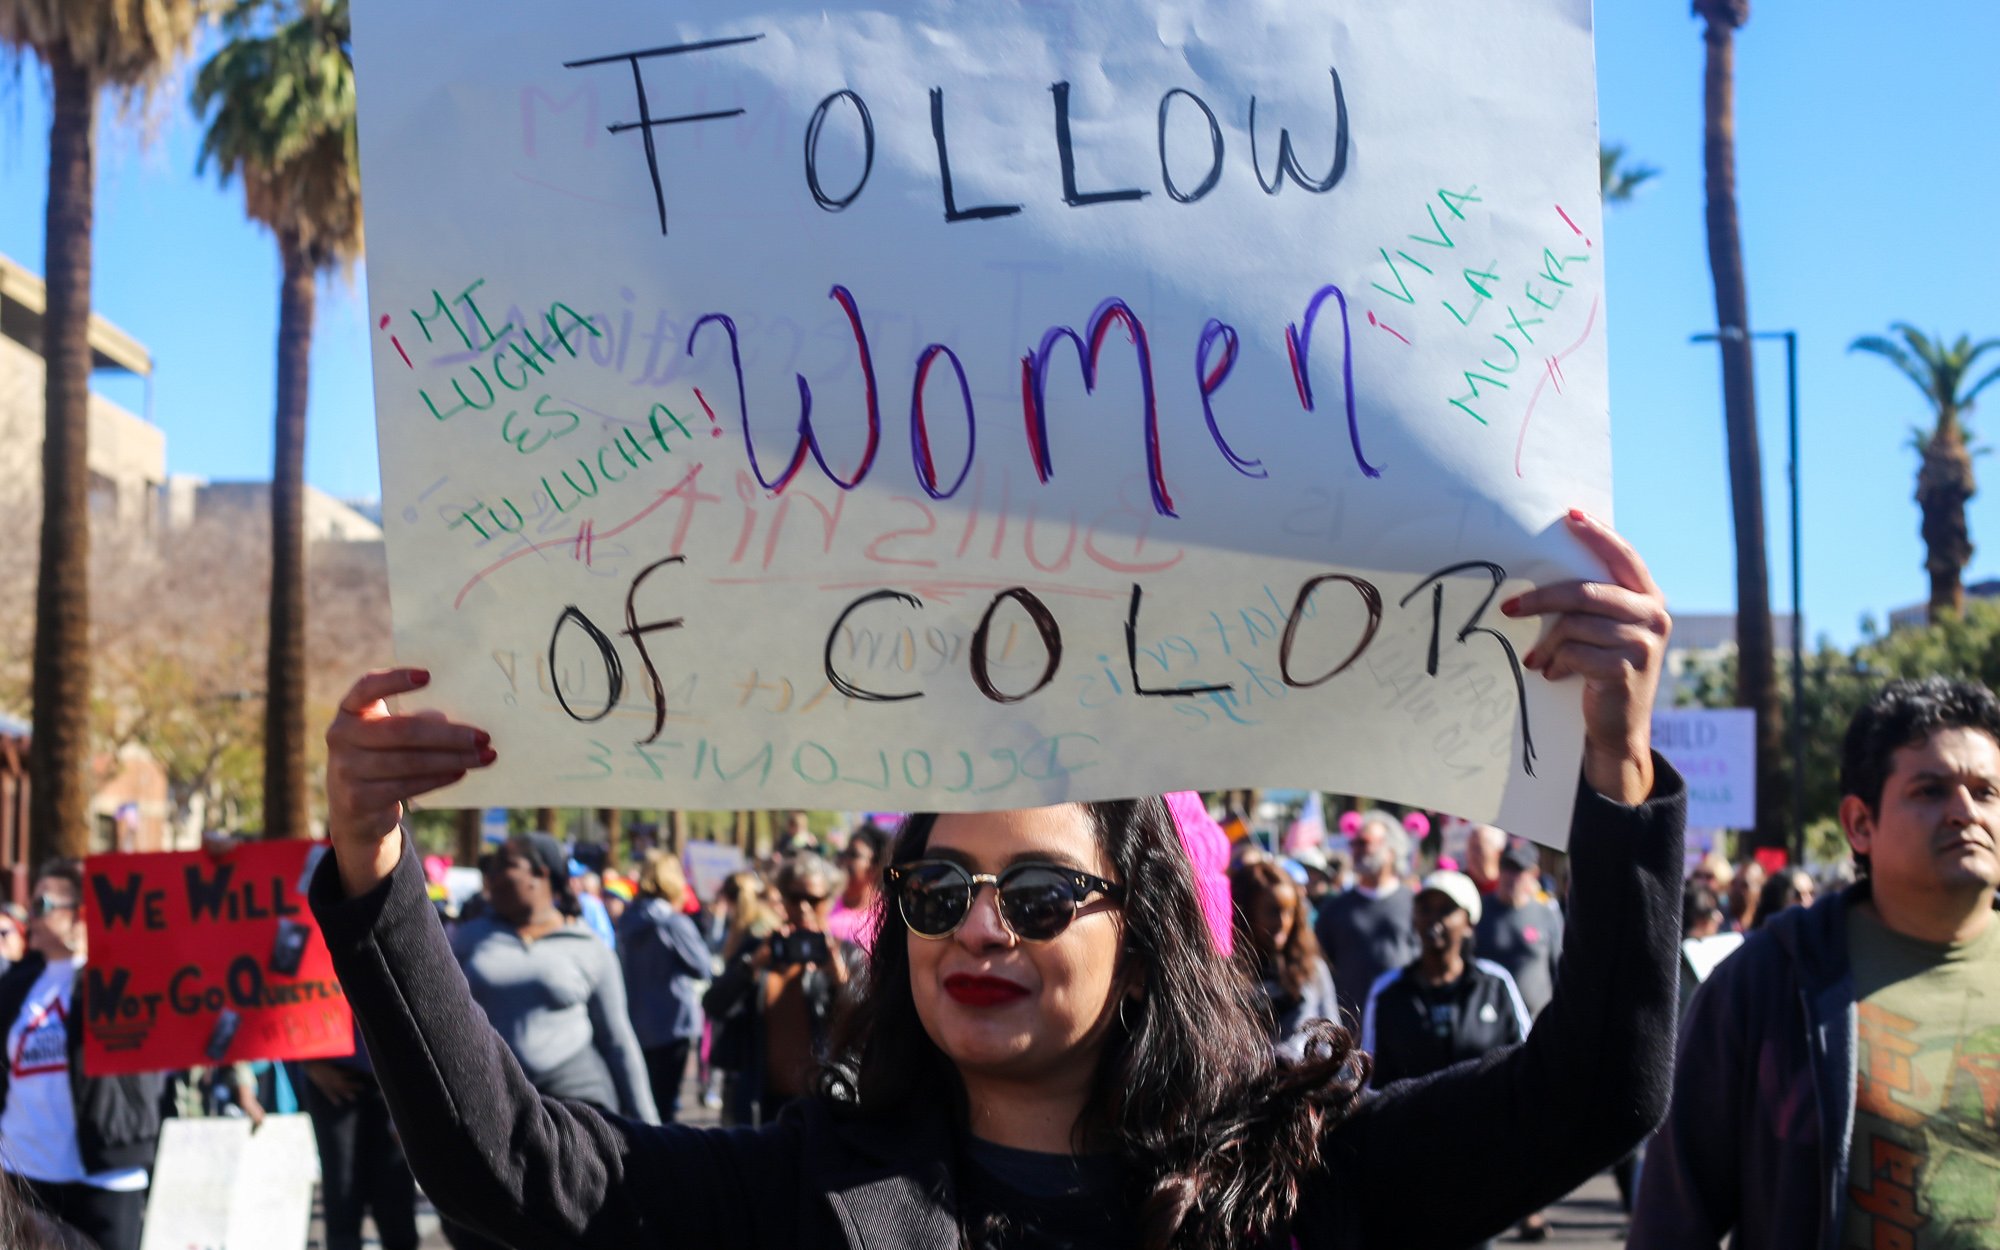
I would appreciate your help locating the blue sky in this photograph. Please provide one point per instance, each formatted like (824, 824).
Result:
(1867, 180)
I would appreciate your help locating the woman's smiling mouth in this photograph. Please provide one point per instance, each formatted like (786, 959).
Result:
(972, 991)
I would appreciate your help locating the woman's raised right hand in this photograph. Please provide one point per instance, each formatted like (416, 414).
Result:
(377, 760)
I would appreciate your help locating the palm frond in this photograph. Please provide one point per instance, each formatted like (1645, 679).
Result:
(280, 105)
(1725, 14)
(1617, 180)
(1980, 385)
(1969, 353)
(1921, 345)
(126, 44)
(1938, 367)
(1897, 355)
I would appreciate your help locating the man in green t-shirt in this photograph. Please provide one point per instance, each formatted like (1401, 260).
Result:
(1839, 1077)
(1924, 1167)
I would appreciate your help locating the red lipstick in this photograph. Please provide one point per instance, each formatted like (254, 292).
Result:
(971, 991)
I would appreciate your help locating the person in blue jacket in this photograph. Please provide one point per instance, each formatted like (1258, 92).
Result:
(665, 963)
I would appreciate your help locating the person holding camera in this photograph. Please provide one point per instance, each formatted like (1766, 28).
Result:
(779, 995)
(76, 1146)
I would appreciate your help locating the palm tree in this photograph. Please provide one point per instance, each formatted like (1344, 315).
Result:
(282, 96)
(1756, 676)
(1944, 478)
(1619, 178)
(86, 45)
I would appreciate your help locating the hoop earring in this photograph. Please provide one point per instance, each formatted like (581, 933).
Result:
(1122, 1022)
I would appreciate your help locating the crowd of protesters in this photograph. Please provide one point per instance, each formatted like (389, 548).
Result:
(1437, 945)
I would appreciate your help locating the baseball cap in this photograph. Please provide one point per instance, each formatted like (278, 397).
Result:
(1312, 857)
(547, 854)
(1457, 887)
(1521, 857)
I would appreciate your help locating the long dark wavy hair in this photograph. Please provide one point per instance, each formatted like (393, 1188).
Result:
(1217, 1133)
(24, 1227)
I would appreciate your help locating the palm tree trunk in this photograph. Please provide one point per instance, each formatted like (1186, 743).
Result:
(286, 811)
(1944, 487)
(613, 821)
(466, 845)
(1756, 679)
(59, 756)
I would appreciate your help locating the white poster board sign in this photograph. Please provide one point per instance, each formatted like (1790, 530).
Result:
(969, 406)
(461, 883)
(216, 1186)
(1715, 749)
(709, 864)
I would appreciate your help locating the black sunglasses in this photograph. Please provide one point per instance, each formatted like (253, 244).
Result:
(1037, 901)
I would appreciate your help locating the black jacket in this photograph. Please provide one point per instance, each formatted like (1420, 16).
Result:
(117, 1117)
(1588, 1084)
(1414, 1030)
(1755, 1148)
(1362, 938)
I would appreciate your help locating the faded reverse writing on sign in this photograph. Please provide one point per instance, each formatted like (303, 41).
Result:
(982, 406)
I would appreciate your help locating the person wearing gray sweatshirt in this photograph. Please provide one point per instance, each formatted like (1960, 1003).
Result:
(552, 989)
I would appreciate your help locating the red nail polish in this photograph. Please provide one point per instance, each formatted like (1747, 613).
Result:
(482, 739)
(421, 676)
(1511, 607)
(1579, 516)
(488, 755)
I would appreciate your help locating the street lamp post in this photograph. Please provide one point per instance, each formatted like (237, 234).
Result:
(1791, 338)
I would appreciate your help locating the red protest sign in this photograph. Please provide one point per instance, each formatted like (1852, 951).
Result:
(199, 958)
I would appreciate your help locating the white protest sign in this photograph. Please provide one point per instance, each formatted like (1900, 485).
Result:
(709, 865)
(1716, 751)
(218, 1186)
(462, 882)
(974, 406)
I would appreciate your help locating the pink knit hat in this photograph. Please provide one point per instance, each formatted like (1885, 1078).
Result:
(1207, 849)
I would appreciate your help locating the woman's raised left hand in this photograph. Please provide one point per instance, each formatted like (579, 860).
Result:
(1613, 634)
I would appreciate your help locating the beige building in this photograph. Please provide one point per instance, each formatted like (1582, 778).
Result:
(128, 454)
(129, 805)
(1702, 638)
(327, 518)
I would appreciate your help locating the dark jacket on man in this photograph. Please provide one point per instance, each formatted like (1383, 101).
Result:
(1755, 1147)
(1362, 936)
(1414, 1029)
(117, 1117)
(1589, 1083)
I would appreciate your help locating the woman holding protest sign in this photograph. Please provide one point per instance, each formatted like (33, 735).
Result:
(1064, 1059)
